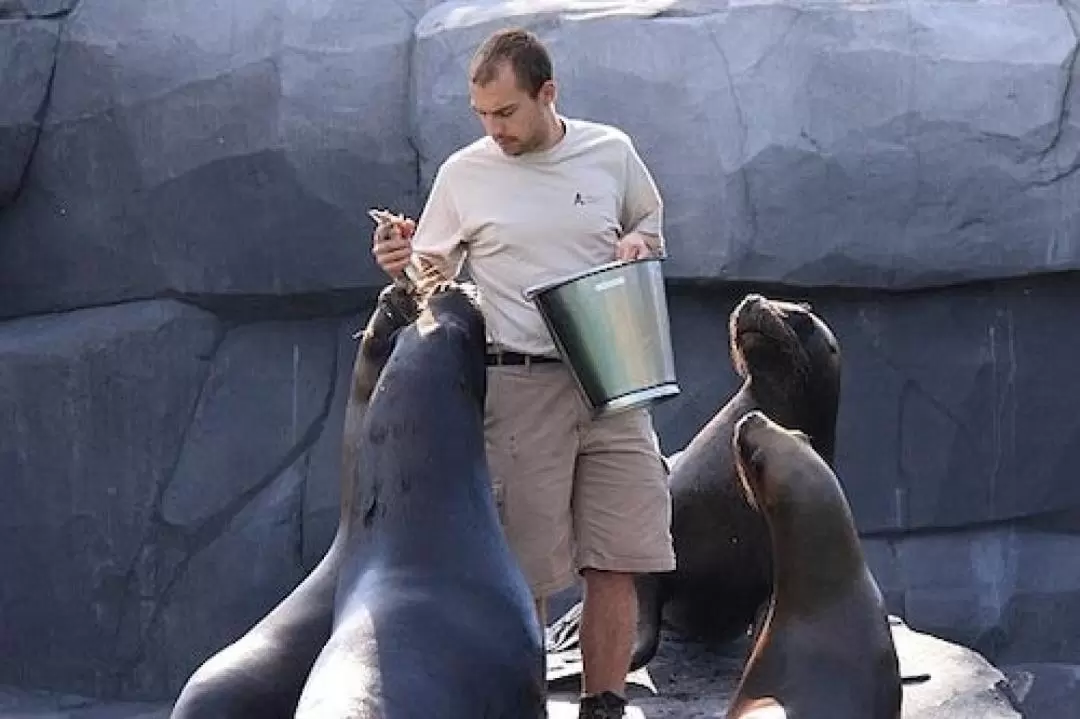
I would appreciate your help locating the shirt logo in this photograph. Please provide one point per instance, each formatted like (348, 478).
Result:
(578, 199)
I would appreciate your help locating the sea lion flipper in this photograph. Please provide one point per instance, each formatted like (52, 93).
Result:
(564, 632)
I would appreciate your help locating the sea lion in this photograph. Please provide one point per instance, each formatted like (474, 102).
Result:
(789, 362)
(825, 648)
(433, 617)
(262, 673)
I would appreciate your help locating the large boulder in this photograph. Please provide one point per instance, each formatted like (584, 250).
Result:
(894, 144)
(156, 470)
(225, 148)
(1046, 689)
(824, 144)
(996, 589)
(93, 408)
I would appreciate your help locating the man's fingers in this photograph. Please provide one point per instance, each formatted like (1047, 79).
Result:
(384, 255)
(393, 243)
(629, 251)
(390, 242)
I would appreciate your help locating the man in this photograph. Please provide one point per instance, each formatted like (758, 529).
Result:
(539, 197)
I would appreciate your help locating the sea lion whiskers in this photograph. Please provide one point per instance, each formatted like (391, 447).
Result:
(431, 282)
(397, 306)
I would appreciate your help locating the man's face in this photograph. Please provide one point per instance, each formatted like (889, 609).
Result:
(515, 121)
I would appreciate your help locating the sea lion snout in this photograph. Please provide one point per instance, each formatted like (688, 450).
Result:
(399, 302)
(752, 300)
(746, 430)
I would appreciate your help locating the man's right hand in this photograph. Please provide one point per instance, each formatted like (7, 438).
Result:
(392, 246)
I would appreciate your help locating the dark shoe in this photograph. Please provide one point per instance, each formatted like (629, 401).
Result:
(606, 705)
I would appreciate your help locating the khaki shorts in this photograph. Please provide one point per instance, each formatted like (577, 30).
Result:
(573, 492)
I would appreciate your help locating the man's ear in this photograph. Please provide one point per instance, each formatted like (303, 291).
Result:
(547, 92)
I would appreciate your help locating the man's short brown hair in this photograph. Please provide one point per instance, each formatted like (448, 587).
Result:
(527, 56)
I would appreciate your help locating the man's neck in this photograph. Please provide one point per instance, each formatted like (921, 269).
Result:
(556, 132)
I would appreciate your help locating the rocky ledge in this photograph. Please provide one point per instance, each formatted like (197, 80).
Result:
(683, 681)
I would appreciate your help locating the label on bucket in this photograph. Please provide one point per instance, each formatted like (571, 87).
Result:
(608, 284)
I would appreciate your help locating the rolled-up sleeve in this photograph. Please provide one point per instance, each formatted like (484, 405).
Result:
(438, 238)
(643, 207)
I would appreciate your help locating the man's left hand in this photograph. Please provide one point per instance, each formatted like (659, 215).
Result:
(632, 246)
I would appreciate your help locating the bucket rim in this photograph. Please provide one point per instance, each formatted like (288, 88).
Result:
(532, 291)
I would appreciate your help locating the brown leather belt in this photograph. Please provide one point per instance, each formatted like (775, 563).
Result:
(516, 358)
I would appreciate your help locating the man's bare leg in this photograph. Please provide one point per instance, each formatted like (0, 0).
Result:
(608, 624)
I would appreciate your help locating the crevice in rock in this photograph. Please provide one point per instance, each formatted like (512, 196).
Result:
(190, 542)
(1057, 521)
(245, 308)
(853, 293)
(408, 12)
(248, 308)
(131, 597)
(412, 127)
(39, 118)
(1070, 69)
(17, 10)
(744, 175)
(418, 175)
(1059, 176)
(296, 516)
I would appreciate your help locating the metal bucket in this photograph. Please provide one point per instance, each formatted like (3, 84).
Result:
(610, 324)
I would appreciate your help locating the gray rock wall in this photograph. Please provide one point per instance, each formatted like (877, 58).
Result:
(184, 251)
